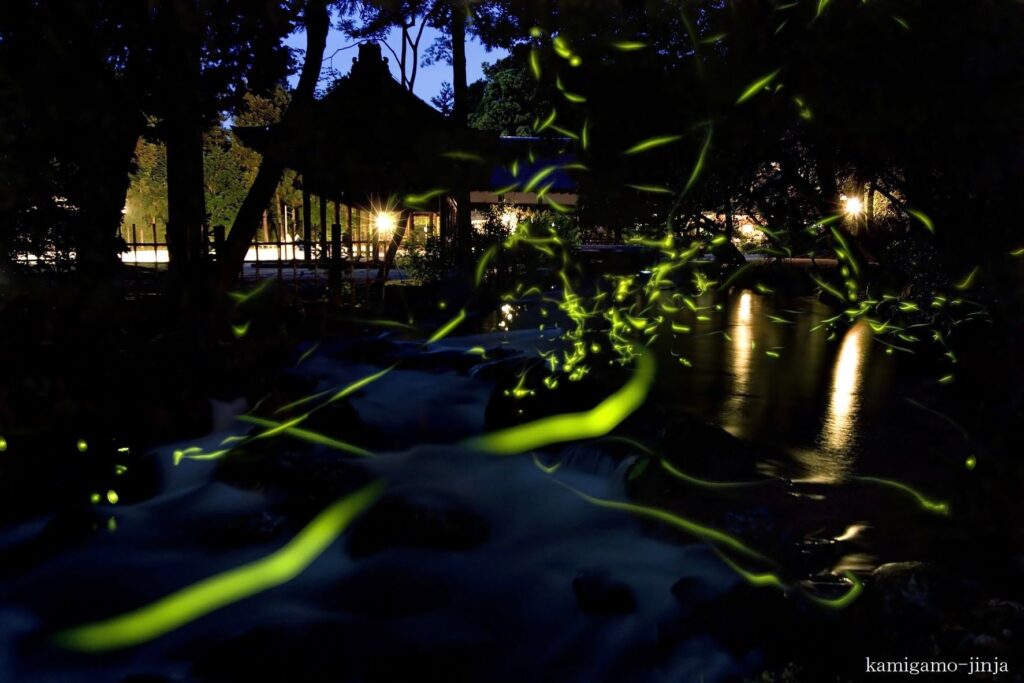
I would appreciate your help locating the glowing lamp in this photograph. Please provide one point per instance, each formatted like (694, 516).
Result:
(385, 222)
(853, 206)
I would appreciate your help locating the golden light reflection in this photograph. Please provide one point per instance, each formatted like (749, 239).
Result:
(741, 329)
(830, 462)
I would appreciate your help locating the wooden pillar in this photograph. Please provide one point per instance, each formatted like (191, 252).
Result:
(350, 231)
(307, 224)
(323, 226)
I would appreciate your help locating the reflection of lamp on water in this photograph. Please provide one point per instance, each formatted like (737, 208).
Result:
(742, 332)
(844, 400)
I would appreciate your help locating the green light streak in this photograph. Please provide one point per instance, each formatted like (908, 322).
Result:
(690, 479)
(447, 328)
(419, 200)
(701, 158)
(241, 297)
(3, 444)
(546, 469)
(932, 506)
(240, 330)
(304, 435)
(653, 189)
(757, 86)
(481, 266)
(700, 531)
(629, 45)
(572, 426)
(759, 580)
(968, 281)
(218, 591)
(82, 446)
(538, 177)
(461, 155)
(306, 354)
(924, 219)
(651, 143)
(856, 588)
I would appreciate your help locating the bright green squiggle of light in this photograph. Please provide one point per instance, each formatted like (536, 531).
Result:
(210, 594)
(305, 435)
(418, 200)
(597, 421)
(481, 266)
(924, 219)
(936, 507)
(448, 327)
(856, 588)
(968, 281)
(693, 528)
(242, 297)
(339, 394)
(240, 330)
(764, 579)
(546, 469)
(690, 479)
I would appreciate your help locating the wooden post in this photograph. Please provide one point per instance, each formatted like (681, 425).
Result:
(334, 277)
(323, 226)
(307, 223)
(266, 228)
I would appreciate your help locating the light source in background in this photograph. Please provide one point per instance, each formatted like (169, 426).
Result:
(509, 219)
(852, 206)
(385, 222)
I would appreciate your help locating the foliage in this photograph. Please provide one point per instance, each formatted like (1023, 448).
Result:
(511, 101)
(430, 263)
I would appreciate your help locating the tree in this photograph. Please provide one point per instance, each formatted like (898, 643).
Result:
(510, 101)
(317, 23)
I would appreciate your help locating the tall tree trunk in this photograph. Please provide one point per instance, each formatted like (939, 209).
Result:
(404, 223)
(186, 202)
(104, 196)
(460, 112)
(317, 22)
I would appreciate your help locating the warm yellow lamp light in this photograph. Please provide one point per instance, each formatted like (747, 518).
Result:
(385, 223)
(853, 206)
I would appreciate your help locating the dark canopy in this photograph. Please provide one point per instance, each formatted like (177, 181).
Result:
(371, 136)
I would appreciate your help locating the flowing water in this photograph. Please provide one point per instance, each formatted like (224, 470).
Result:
(514, 553)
